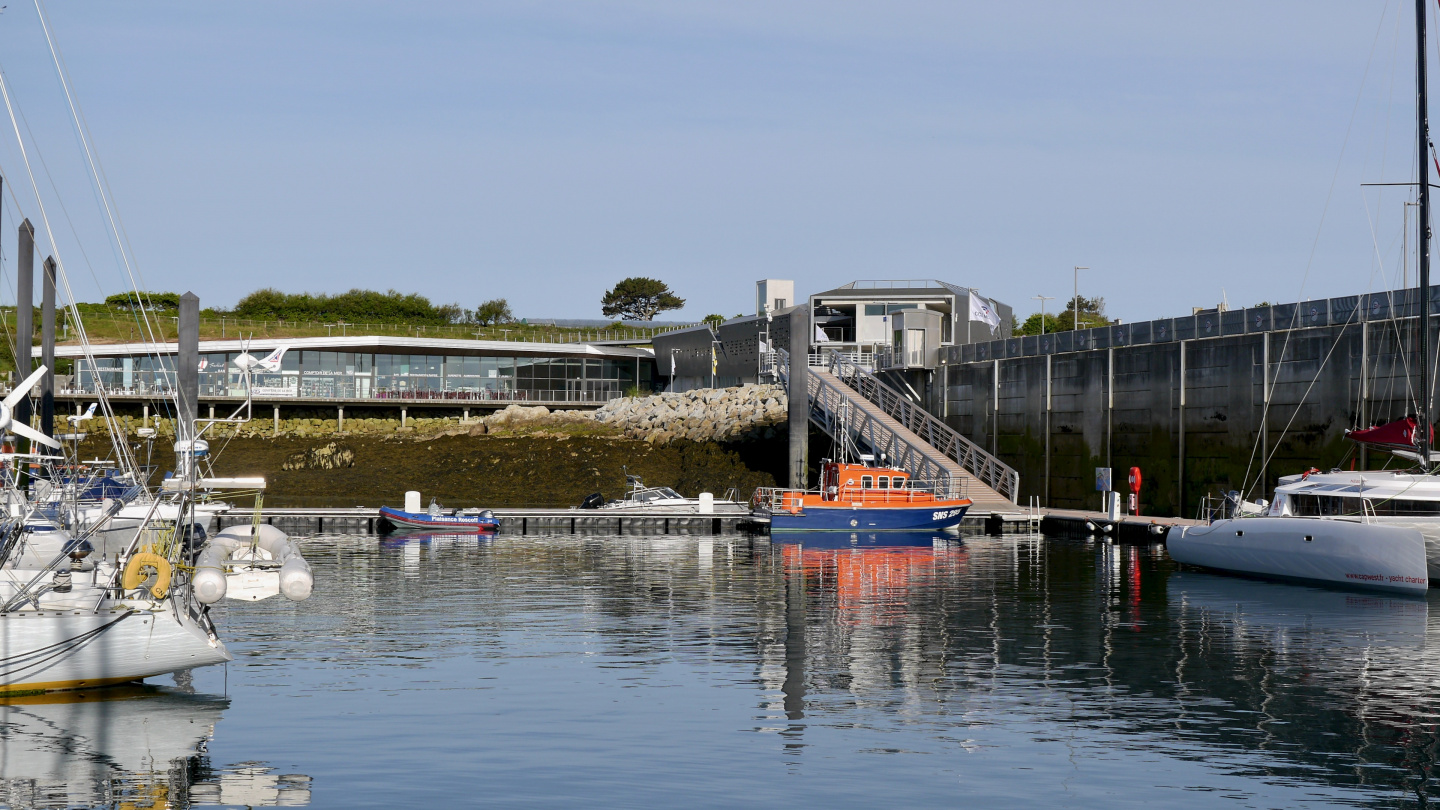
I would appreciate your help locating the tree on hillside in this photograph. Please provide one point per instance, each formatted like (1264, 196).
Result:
(494, 311)
(1052, 324)
(639, 299)
(355, 306)
(713, 320)
(1092, 313)
(154, 301)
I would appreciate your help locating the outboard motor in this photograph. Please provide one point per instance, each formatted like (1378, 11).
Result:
(192, 538)
(593, 501)
(1232, 504)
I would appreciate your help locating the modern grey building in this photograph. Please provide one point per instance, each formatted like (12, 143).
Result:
(898, 326)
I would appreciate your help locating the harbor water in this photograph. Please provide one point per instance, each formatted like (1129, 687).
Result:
(696, 671)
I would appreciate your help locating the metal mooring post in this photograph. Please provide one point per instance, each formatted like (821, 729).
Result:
(799, 396)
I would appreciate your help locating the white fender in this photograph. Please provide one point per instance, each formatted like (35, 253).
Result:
(209, 579)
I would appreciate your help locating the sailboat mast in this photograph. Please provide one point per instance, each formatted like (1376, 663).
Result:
(1423, 243)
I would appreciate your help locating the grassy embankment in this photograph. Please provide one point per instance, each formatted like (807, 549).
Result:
(110, 325)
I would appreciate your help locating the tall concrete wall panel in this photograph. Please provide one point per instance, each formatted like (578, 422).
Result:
(1260, 400)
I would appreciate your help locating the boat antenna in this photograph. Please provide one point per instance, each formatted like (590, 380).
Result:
(1423, 221)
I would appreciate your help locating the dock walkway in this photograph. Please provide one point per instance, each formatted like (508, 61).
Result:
(869, 422)
(365, 520)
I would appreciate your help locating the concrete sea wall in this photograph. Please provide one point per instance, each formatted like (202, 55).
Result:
(1205, 404)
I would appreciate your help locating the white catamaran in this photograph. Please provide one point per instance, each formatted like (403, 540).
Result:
(1373, 529)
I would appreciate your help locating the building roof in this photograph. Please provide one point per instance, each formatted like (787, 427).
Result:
(868, 287)
(366, 343)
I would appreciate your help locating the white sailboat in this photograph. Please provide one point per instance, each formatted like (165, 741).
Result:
(105, 593)
(1374, 529)
(74, 623)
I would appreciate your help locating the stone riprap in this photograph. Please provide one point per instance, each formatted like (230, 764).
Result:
(704, 415)
(714, 414)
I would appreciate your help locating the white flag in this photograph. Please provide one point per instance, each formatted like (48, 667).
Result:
(820, 336)
(983, 311)
(763, 348)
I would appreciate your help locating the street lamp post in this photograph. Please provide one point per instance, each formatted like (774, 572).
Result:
(1075, 302)
(1042, 299)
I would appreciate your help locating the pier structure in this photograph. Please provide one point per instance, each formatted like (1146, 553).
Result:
(848, 338)
(1205, 403)
(1210, 402)
(845, 401)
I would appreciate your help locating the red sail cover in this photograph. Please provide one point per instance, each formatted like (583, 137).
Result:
(1399, 434)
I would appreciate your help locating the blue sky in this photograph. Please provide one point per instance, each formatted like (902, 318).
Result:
(542, 151)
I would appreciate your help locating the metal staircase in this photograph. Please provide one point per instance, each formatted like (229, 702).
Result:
(846, 398)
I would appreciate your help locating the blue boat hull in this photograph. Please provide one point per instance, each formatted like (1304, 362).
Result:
(845, 518)
(449, 523)
(859, 539)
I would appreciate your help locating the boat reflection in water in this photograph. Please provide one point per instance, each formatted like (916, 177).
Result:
(869, 574)
(434, 539)
(834, 540)
(1287, 613)
(128, 746)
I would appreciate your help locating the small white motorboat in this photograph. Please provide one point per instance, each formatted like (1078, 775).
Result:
(641, 498)
(1346, 553)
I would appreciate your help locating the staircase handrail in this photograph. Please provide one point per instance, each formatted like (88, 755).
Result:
(995, 473)
(826, 397)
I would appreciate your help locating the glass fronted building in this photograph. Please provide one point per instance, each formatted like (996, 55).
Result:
(380, 368)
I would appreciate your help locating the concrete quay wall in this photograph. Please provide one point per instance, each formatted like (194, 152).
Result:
(1202, 404)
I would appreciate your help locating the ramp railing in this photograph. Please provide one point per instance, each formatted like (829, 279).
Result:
(993, 472)
(833, 411)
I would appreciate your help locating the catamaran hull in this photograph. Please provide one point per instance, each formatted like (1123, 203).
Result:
(48, 650)
(1333, 552)
(1430, 531)
(846, 518)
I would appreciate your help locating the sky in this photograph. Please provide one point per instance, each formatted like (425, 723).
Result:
(542, 151)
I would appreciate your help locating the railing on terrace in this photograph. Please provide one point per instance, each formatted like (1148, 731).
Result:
(992, 471)
(516, 395)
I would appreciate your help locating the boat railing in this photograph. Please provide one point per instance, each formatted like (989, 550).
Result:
(831, 409)
(917, 492)
(969, 455)
(778, 499)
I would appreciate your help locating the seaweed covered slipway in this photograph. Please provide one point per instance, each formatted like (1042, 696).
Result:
(696, 441)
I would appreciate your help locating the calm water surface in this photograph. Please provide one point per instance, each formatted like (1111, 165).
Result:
(697, 671)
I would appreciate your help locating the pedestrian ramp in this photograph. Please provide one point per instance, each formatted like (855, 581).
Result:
(848, 401)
